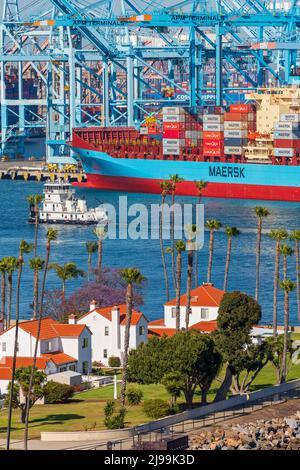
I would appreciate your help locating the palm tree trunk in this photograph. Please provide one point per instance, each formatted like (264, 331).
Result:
(13, 372)
(36, 228)
(229, 244)
(285, 336)
(298, 277)
(9, 296)
(197, 258)
(89, 265)
(129, 302)
(35, 294)
(172, 240)
(3, 293)
(189, 287)
(210, 259)
(163, 251)
(99, 262)
(258, 250)
(63, 288)
(178, 286)
(276, 280)
(36, 345)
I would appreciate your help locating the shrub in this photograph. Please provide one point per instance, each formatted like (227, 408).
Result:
(112, 419)
(114, 362)
(134, 396)
(55, 392)
(156, 408)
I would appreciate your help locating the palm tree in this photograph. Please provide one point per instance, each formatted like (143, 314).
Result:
(174, 180)
(278, 235)
(24, 248)
(36, 264)
(11, 266)
(200, 186)
(51, 236)
(165, 187)
(65, 272)
(230, 232)
(287, 286)
(100, 233)
(295, 235)
(212, 225)
(285, 251)
(91, 247)
(179, 247)
(261, 213)
(34, 201)
(131, 276)
(191, 231)
(3, 271)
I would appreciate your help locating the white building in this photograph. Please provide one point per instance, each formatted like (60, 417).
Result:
(204, 308)
(108, 328)
(61, 347)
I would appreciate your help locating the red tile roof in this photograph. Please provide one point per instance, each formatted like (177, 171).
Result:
(50, 329)
(23, 361)
(59, 358)
(5, 373)
(159, 322)
(161, 331)
(203, 296)
(106, 313)
(205, 326)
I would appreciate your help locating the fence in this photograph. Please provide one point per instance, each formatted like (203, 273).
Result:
(207, 415)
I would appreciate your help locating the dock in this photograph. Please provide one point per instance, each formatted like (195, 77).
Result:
(37, 171)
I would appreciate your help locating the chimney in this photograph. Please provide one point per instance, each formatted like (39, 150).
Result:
(93, 305)
(72, 319)
(115, 330)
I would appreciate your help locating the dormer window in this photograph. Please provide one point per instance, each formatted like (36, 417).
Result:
(204, 313)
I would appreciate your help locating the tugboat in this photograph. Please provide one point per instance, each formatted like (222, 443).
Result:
(61, 206)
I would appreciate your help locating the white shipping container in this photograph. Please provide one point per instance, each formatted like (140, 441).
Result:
(144, 130)
(175, 118)
(173, 142)
(286, 135)
(233, 150)
(287, 126)
(213, 127)
(193, 134)
(235, 125)
(280, 152)
(217, 118)
(173, 111)
(236, 134)
(290, 117)
(171, 151)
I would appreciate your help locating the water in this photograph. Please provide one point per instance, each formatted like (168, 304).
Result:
(145, 255)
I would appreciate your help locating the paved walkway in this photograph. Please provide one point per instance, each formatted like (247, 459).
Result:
(37, 444)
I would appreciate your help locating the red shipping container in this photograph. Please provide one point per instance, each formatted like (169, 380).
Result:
(215, 144)
(173, 126)
(212, 153)
(287, 143)
(213, 135)
(235, 117)
(173, 134)
(242, 108)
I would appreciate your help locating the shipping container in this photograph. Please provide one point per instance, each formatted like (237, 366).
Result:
(235, 142)
(213, 127)
(213, 144)
(233, 150)
(173, 134)
(282, 152)
(173, 142)
(175, 118)
(213, 135)
(242, 108)
(287, 126)
(290, 117)
(174, 110)
(237, 117)
(235, 125)
(285, 143)
(171, 151)
(209, 152)
(236, 134)
(216, 118)
(291, 135)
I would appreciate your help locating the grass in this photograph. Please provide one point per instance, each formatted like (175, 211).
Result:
(86, 410)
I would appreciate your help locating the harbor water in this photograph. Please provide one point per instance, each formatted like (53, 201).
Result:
(145, 254)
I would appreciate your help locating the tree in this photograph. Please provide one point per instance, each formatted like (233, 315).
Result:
(37, 265)
(238, 313)
(261, 214)
(91, 248)
(212, 225)
(131, 276)
(11, 266)
(114, 362)
(34, 200)
(66, 272)
(50, 237)
(100, 233)
(174, 384)
(174, 181)
(3, 271)
(20, 389)
(190, 246)
(179, 247)
(200, 186)
(230, 232)
(287, 286)
(285, 251)
(277, 235)
(24, 248)
(165, 187)
(295, 236)
(275, 350)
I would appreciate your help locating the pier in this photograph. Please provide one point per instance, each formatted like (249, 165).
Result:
(37, 171)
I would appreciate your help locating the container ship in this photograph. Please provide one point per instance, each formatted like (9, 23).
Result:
(248, 151)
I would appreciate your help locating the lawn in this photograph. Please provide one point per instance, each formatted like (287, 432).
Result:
(85, 411)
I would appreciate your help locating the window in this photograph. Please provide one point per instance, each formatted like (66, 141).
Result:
(142, 330)
(62, 369)
(105, 353)
(85, 367)
(49, 346)
(85, 343)
(106, 331)
(204, 314)
(3, 347)
(73, 368)
(173, 312)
